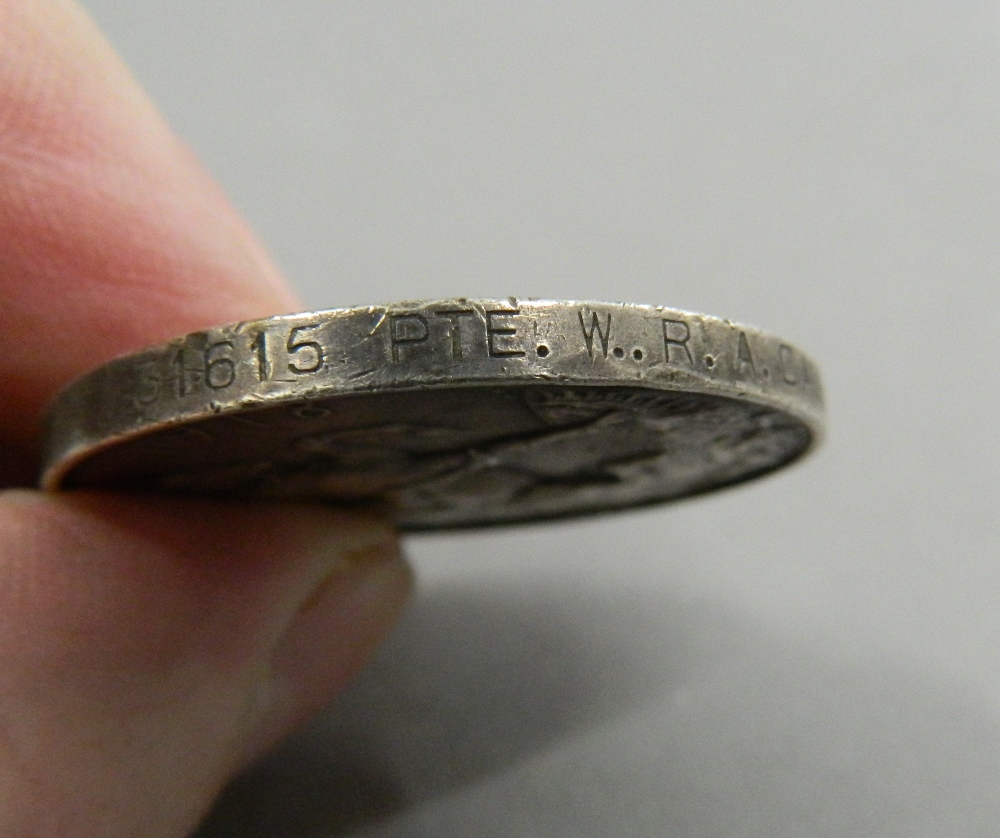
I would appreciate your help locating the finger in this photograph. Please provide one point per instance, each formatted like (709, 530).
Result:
(147, 650)
(111, 236)
(146, 654)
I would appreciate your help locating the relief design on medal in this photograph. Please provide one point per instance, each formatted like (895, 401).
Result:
(605, 450)
(575, 450)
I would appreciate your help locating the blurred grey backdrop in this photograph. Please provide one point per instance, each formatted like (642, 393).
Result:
(814, 655)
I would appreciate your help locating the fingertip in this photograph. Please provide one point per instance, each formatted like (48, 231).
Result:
(112, 236)
(331, 636)
(152, 646)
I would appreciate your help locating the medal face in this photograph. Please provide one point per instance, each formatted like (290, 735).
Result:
(455, 412)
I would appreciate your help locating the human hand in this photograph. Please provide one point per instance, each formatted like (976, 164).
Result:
(149, 647)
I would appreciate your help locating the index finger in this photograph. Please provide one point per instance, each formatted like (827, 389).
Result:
(111, 235)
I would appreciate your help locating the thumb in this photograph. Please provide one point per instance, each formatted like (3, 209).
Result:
(150, 648)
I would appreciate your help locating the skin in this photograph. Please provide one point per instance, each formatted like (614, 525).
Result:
(149, 649)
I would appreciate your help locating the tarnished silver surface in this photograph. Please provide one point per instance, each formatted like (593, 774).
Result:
(458, 412)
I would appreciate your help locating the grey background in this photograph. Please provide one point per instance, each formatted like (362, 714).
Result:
(813, 655)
